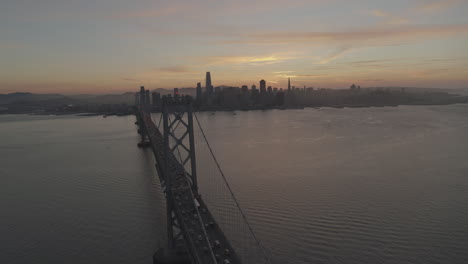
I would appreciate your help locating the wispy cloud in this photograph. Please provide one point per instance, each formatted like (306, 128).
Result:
(437, 6)
(251, 60)
(153, 12)
(194, 9)
(390, 19)
(174, 69)
(281, 72)
(130, 79)
(181, 71)
(302, 76)
(335, 55)
(374, 80)
(360, 37)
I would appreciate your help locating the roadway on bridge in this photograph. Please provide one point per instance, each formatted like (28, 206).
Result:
(204, 238)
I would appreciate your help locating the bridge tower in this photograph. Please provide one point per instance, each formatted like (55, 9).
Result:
(178, 128)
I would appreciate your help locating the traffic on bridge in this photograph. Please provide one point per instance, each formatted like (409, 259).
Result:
(192, 229)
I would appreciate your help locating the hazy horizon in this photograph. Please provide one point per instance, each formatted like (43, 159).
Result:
(88, 47)
(170, 90)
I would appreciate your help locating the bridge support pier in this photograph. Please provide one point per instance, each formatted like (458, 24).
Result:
(167, 256)
(145, 142)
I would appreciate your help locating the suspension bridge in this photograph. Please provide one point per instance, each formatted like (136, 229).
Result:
(197, 231)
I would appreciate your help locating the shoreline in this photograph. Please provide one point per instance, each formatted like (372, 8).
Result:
(104, 115)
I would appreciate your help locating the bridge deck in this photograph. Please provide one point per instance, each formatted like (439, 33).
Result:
(203, 237)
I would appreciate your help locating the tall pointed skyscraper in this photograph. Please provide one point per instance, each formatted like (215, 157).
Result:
(289, 84)
(209, 87)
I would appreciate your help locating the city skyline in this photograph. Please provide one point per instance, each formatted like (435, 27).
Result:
(113, 46)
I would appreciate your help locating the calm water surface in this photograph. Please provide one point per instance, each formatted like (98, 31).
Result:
(371, 185)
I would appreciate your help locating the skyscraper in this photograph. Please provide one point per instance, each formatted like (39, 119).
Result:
(245, 88)
(262, 86)
(142, 95)
(289, 84)
(209, 87)
(199, 91)
(147, 100)
(156, 100)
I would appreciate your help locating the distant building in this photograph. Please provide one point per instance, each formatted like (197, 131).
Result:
(147, 98)
(199, 91)
(142, 95)
(289, 84)
(245, 89)
(156, 100)
(208, 84)
(254, 88)
(230, 96)
(137, 98)
(262, 86)
(176, 92)
(279, 97)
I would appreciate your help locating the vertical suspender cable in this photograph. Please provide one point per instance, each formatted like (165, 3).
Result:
(232, 194)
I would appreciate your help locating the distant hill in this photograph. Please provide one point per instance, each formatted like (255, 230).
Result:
(21, 97)
(416, 89)
(125, 98)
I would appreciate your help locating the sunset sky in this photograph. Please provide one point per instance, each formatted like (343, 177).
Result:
(105, 46)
